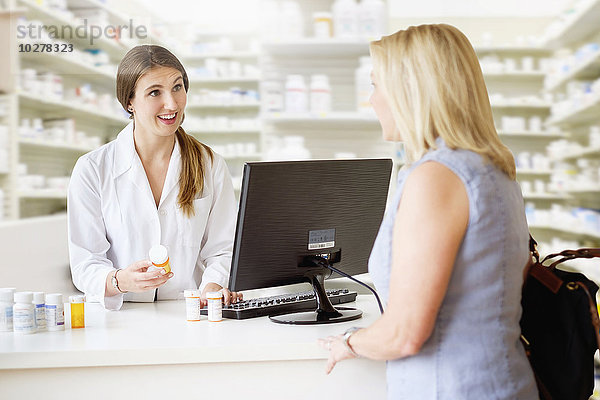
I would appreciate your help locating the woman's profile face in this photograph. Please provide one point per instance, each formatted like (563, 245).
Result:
(382, 109)
(159, 101)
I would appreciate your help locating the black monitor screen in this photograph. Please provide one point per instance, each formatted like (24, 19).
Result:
(293, 209)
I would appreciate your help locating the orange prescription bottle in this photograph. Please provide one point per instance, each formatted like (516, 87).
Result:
(159, 257)
(77, 311)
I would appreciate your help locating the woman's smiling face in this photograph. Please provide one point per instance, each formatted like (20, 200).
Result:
(159, 101)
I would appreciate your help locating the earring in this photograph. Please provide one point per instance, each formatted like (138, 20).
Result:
(130, 109)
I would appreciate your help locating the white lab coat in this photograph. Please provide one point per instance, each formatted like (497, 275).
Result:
(113, 222)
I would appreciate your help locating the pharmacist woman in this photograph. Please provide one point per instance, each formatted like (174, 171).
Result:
(154, 184)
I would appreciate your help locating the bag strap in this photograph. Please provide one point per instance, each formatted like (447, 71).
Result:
(572, 254)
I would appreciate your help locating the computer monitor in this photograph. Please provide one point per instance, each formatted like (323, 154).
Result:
(297, 217)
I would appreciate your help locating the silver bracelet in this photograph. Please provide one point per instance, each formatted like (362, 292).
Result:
(347, 335)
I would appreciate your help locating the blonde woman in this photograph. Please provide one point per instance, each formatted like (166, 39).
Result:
(153, 185)
(450, 253)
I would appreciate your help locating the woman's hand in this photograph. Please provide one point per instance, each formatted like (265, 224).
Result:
(138, 278)
(337, 351)
(228, 296)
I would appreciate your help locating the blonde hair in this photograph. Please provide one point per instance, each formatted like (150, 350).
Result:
(433, 82)
(136, 63)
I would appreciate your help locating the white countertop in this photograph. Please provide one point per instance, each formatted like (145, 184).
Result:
(158, 333)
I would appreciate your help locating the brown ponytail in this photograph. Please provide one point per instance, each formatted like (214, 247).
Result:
(136, 63)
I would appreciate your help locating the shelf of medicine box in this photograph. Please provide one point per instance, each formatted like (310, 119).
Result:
(533, 172)
(567, 231)
(69, 64)
(52, 17)
(545, 196)
(588, 152)
(313, 47)
(247, 157)
(587, 70)
(223, 80)
(193, 57)
(521, 106)
(116, 18)
(526, 51)
(587, 113)
(252, 131)
(532, 134)
(240, 106)
(334, 117)
(514, 76)
(43, 194)
(71, 110)
(54, 145)
(582, 24)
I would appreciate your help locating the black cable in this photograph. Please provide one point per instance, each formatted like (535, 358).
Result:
(337, 271)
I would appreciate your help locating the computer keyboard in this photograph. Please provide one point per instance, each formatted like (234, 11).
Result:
(282, 304)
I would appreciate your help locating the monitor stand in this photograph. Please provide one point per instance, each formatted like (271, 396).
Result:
(325, 313)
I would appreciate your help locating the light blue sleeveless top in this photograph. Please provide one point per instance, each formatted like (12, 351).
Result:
(474, 351)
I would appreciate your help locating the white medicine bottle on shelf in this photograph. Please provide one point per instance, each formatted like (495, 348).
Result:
(371, 19)
(345, 18)
(293, 149)
(291, 21)
(362, 80)
(6, 309)
(296, 96)
(320, 94)
(272, 95)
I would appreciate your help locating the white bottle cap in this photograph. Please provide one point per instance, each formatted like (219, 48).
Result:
(158, 254)
(214, 295)
(54, 298)
(8, 289)
(6, 296)
(38, 297)
(76, 299)
(23, 297)
(191, 293)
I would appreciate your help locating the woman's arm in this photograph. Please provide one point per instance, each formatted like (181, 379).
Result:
(88, 245)
(430, 224)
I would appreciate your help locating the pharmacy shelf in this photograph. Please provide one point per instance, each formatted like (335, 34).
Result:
(213, 106)
(516, 76)
(513, 50)
(312, 47)
(54, 145)
(222, 55)
(586, 113)
(589, 69)
(54, 17)
(331, 118)
(545, 196)
(575, 232)
(223, 80)
(577, 27)
(254, 131)
(590, 191)
(533, 172)
(69, 64)
(532, 135)
(253, 156)
(43, 194)
(507, 105)
(70, 110)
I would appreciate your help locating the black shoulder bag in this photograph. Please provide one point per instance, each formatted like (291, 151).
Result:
(560, 328)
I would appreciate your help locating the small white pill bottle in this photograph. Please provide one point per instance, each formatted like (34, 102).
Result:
(215, 306)
(6, 309)
(192, 304)
(23, 313)
(39, 303)
(55, 312)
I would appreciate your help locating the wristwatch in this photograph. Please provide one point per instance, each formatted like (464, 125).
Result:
(114, 281)
(347, 335)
